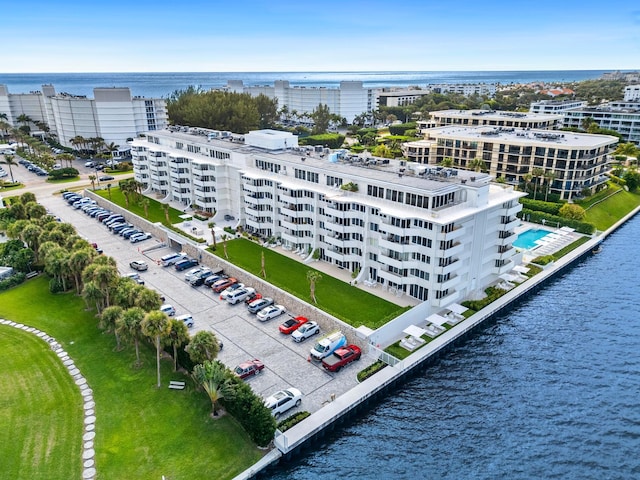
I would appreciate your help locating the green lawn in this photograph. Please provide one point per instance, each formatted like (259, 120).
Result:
(63, 180)
(142, 432)
(41, 416)
(605, 213)
(350, 304)
(155, 210)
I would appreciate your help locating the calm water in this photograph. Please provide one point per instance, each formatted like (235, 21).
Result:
(551, 390)
(162, 84)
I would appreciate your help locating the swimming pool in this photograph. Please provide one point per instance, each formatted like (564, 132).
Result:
(527, 239)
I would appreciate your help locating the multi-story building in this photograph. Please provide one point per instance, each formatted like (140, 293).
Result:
(632, 93)
(622, 117)
(493, 118)
(113, 115)
(437, 237)
(349, 100)
(555, 107)
(573, 161)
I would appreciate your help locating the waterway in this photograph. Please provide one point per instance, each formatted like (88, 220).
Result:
(549, 390)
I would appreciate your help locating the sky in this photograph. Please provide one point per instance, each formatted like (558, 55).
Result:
(297, 36)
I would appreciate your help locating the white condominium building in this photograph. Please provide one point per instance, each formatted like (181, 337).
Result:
(113, 114)
(622, 117)
(572, 161)
(632, 93)
(436, 236)
(349, 100)
(555, 107)
(492, 118)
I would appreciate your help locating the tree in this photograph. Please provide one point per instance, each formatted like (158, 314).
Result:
(91, 293)
(147, 299)
(203, 346)
(177, 336)
(9, 161)
(109, 190)
(129, 326)
(224, 245)
(477, 165)
(78, 261)
(111, 147)
(213, 234)
(536, 174)
(67, 157)
(321, 116)
(92, 179)
(447, 162)
(572, 211)
(549, 176)
(145, 202)
(165, 207)
(24, 119)
(632, 179)
(213, 377)
(313, 277)
(109, 320)
(156, 325)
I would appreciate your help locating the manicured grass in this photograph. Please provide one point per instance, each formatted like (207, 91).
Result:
(604, 214)
(572, 246)
(63, 180)
(348, 303)
(41, 416)
(142, 431)
(155, 210)
(11, 186)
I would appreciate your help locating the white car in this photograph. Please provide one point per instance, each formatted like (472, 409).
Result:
(191, 274)
(283, 400)
(271, 312)
(187, 319)
(238, 295)
(305, 331)
(226, 294)
(168, 309)
(139, 237)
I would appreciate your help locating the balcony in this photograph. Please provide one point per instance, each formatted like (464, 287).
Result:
(452, 267)
(444, 301)
(510, 212)
(508, 240)
(291, 211)
(455, 250)
(205, 202)
(449, 284)
(510, 225)
(506, 268)
(391, 277)
(454, 234)
(401, 247)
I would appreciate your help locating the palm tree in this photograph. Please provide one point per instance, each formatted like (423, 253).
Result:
(106, 277)
(147, 299)
(145, 202)
(165, 207)
(92, 179)
(536, 173)
(203, 346)
(111, 147)
(213, 234)
(109, 190)
(109, 321)
(224, 245)
(178, 335)
(550, 176)
(447, 162)
(9, 160)
(67, 157)
(155, 326)
(313, 277)
(91, 293)
(78, 261)
(477, 165)
(129, 326)
(24, 119)
(213, 378)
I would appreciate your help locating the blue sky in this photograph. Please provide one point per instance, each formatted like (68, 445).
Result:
(283, 35)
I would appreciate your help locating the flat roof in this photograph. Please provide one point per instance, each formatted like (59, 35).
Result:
(494, 115)
(522, 136)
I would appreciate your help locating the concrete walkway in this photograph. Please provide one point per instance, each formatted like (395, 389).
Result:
(89, 433)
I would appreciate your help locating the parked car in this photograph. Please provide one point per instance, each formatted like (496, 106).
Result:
(105, 178)
(257, 305)
(223, 284)
(305, 331)
(291, 325)
(187, 319)
(341, 357)
(139, 265)
(89, 164)
(135, 277)
(211, 279)
(186, 263)
(248, 368)
(238, 295)
(172, 258)
(232, 289)
(118, 228)
(270, 312)
(168, 309)
(252, 297)
(196, 282)
(191, 274)
(131, 233)
(140, 237)
(283, 400)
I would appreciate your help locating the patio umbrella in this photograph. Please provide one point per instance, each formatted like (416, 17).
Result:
(437, 319)
(457, 308)
(414, 331)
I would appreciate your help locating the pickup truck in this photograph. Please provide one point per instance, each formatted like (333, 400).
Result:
(341, 357)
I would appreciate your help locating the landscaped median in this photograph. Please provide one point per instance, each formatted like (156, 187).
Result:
(348, 303)
(141, 431)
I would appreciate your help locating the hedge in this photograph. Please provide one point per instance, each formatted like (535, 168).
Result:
(537, 217)
(294, 419)
(12, 281)
(370, 370)
(551, 208)
(185, 234)
(331, 140)
(401, 128)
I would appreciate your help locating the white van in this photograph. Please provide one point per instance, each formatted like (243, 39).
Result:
(187, 319)
(327, 345)
(168, 309)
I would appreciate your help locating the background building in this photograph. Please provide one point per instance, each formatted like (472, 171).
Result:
(494, 118)
(113, 115)
(622, 117)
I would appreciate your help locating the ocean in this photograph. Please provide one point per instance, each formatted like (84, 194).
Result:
(550, 390)
(163, 84)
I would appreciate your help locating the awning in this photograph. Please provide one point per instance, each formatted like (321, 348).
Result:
(414, 331)
(521, 269)
(186, 216)
(437, 319)
(457, 308)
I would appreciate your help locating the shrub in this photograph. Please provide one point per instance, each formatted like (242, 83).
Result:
(537, 217)
(540, 206)
(543, 259)
(331, 140)
(229, 230)
(55, 285)
(292, 420)
(370, 370)
(249, 410)
(12, 281)
(572, 211)
(493, 293)
(185, 234)
(402, 128)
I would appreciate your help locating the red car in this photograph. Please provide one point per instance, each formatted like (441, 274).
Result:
(249, 368)
(223, 284)
(292, 325)
(252, 297)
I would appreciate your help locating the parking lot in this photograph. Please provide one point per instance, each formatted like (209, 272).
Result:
(244, 337)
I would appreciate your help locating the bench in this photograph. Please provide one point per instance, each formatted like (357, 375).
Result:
(176, 385)
(31, 275)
